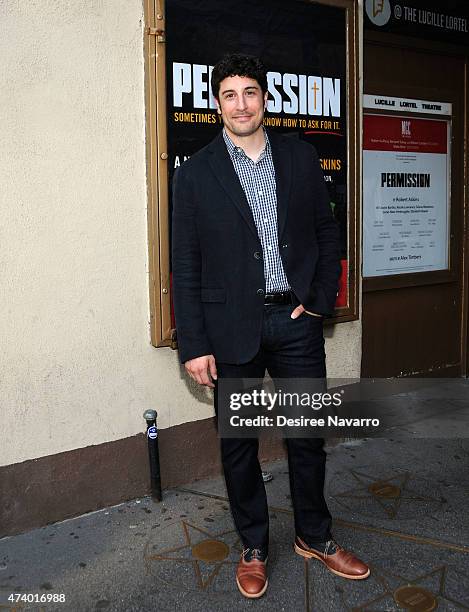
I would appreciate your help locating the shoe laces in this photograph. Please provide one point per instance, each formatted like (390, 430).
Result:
(332, 544)
(256, 553)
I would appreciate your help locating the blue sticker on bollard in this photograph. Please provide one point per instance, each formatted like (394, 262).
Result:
(152, 432)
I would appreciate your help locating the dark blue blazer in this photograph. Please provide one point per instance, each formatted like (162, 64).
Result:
(218, 276)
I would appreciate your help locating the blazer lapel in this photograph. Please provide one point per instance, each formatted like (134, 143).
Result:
(223, 169)
(281, 156)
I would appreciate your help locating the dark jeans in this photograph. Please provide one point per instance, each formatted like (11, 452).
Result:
(290, 348)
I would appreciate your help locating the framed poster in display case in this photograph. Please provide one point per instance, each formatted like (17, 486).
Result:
(406, 194)
(310, 50)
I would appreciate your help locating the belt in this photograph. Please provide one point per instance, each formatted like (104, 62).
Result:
(282, 297)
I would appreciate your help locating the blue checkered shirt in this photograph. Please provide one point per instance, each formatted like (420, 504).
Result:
(258, 182)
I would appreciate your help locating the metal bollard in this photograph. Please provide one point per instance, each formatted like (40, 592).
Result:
(152, 437)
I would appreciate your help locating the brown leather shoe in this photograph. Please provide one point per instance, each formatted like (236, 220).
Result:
(251, 574)
(338, 560)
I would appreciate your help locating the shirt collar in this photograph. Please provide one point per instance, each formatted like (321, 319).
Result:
(235, 151)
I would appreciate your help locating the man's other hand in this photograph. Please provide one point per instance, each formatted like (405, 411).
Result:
(300, 309)
(201, 369)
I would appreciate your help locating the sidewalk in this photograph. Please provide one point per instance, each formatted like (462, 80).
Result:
(400, 505)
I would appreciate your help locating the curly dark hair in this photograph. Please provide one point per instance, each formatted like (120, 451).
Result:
(238, 64)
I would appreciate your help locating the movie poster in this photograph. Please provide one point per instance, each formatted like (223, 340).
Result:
(405, 195)
(303, 45)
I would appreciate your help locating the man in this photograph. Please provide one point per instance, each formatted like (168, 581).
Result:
(255, 269)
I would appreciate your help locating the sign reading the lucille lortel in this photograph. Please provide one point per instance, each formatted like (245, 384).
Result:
(406, 161)
(430, 19)
(303, 45)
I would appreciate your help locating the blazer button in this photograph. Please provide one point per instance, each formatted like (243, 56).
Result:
(260, 292)
(257, 255)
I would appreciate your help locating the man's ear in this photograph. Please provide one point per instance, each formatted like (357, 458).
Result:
(266, 95)
(217, 102)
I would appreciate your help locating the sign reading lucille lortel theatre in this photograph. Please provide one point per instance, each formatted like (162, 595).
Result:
(446, 21)
(405, 194)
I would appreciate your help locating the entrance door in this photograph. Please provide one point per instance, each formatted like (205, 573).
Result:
(412, 319)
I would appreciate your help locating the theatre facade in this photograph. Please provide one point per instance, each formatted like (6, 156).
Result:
(101, 112)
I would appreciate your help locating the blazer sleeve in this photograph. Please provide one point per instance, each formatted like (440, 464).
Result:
(186, 270)
(324, 288)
